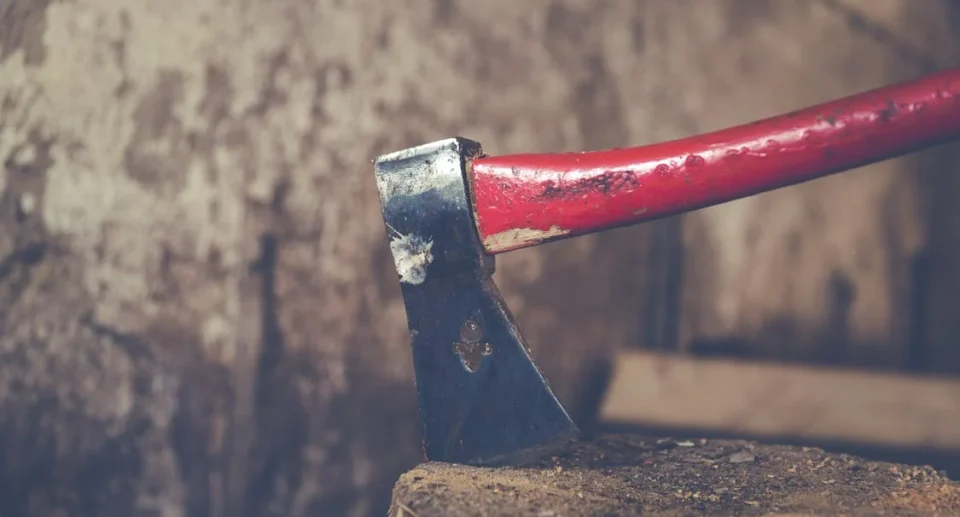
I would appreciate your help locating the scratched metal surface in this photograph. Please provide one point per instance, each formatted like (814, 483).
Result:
(200, 315)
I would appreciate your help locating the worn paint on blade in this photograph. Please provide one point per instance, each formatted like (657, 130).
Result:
(411, 255)
(519, 237)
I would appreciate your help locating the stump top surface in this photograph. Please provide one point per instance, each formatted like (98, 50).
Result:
(629, 475)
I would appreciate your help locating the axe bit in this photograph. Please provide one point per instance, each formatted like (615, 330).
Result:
(449, 209)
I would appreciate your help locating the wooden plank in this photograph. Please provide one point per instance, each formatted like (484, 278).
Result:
(784, 401)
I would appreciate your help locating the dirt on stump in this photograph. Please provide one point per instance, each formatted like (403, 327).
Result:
(629, 475)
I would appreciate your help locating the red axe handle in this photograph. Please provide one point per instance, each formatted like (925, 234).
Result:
(528, 199)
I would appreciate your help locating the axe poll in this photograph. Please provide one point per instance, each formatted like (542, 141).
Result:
(449, 209)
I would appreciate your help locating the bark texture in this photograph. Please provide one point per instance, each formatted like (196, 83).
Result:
(199, 313)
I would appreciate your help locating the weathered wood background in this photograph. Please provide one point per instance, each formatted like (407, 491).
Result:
(199, 314)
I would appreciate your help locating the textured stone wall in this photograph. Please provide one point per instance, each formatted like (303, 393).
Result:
(199, 314)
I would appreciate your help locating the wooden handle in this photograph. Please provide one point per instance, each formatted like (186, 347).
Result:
(528, 199)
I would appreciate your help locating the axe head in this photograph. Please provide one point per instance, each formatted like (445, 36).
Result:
(482, 400)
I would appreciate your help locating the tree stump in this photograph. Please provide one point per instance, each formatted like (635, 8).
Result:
(631, 475)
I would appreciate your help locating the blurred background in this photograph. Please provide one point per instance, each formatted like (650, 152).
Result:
(199, 315)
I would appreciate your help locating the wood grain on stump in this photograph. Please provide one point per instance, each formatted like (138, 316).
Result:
(628, 475)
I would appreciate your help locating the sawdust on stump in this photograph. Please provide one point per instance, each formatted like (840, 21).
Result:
(629, 475)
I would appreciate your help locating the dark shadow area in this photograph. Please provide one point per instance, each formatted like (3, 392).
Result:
(936, 281)
(594, 381)
(663, 279)
(743, 349)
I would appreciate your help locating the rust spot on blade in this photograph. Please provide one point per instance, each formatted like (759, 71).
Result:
(471, 348)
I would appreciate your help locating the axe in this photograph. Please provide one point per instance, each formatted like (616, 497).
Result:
(449, 209)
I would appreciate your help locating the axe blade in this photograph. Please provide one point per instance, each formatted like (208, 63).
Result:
(482, 399)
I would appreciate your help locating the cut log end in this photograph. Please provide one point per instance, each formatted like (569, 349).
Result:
(630, 475)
